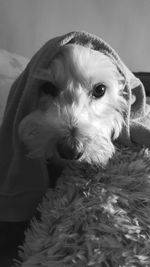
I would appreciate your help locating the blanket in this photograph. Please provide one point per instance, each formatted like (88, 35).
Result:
(94, 217)
(23, 181)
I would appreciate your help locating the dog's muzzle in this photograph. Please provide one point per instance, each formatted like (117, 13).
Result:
(73, 151)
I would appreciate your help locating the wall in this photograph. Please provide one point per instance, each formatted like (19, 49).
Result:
(25, 25)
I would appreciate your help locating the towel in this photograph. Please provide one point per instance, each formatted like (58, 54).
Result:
(24, 181)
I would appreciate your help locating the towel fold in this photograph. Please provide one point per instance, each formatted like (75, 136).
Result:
(23, 181)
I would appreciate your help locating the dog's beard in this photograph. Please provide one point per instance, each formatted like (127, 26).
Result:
(42, 131)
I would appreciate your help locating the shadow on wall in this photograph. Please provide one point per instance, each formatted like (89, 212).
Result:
(27, 25)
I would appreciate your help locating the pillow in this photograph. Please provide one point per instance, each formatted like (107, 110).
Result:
(11, 65)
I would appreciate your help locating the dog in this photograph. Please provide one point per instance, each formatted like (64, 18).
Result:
(80, 109)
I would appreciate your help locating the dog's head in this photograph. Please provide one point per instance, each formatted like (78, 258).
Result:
(80, 109)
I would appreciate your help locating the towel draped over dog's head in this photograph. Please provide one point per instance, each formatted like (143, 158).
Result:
(23, 181)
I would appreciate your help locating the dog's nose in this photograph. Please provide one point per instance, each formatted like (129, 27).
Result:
(66, 151)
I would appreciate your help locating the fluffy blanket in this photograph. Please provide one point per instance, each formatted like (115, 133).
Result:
(23, 181)
(95, 217)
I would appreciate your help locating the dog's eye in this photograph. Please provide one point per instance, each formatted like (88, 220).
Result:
(49, 89)
(99, 90)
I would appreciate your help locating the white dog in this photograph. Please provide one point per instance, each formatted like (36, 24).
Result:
(80, 109)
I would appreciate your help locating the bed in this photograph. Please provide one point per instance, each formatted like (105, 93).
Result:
(56, 238)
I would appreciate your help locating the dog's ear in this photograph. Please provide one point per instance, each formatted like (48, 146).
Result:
(138, 96)
(135, 93)
(138, 93)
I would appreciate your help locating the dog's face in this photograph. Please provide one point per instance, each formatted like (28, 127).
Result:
(80, 110)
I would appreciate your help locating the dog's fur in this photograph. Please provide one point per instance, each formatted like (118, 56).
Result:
(74, 122)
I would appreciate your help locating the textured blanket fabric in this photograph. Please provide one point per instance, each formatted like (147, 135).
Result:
(95, 217)
(23, 181)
